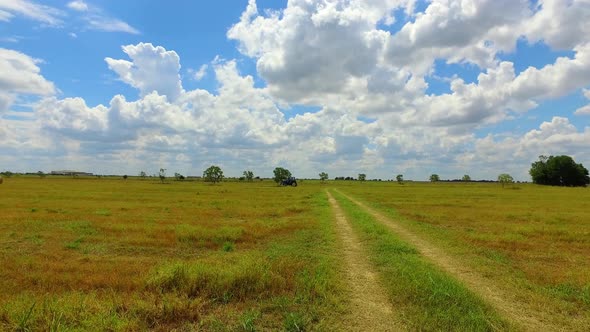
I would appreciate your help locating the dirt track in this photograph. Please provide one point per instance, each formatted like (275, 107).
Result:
(517, 312)
(370, 310)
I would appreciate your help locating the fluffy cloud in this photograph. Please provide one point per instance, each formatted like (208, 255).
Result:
(473, 31)
(301, 52)
(561, 24)
(151, 69)
(20, 76)
(514, 153)
(239, 124)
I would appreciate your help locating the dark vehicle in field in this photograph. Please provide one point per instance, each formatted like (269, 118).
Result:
(291, 181)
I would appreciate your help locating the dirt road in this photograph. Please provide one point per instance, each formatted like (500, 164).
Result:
(370, 310)
(506, 304)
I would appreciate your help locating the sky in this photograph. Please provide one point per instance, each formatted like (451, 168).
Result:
(381, 87)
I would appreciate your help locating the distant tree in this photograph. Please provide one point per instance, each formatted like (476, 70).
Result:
(466, 178)
(323, 176)
(249, 176)
(281, 174)
(362, 177)
(179, 177)
(505, 179)
(7, 174)
(400, 178)
(142, 174)
(213, 174)
(434, 178)
(162, 174)
(125, 177)
(41, 174)
(559, 171)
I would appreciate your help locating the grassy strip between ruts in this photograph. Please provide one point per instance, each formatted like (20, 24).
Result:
(425, 297)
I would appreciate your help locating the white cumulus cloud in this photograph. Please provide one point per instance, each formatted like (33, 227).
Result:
(151, 69)
(20, 76)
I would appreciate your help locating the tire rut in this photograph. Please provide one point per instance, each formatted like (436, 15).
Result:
(518, 313)
(370, 308)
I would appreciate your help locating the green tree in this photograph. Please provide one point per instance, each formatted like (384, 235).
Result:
(179, 177)
(362, 177)
(559, 171)
(213, 174)
(323, 176)
(281, 174)
(142, 175)
(41, 174)
(434, 178)
(249, 176)
(466, 178)
(400, 178)
(505, 179)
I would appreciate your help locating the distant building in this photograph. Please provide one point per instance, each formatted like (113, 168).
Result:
(71, 173)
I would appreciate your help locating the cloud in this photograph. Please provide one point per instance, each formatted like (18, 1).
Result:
(151, 69)
(304, 52)
(78, 5)
(20, 76)
(560, 24)
(240, 125)
(199, 74)
(96, 19)
(585, 110)
(109, 24)
(471, 31)
(32, 10)
(515, 153)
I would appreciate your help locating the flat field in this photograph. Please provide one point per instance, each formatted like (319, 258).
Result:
(532, 242)
(113, 254)
(129, 255)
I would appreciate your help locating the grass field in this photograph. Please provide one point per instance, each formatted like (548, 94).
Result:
(88, 254)
(127, 255)
(533, 241)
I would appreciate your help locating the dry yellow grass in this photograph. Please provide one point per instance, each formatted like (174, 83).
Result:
(130, 255)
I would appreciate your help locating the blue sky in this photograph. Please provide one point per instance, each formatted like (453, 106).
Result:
(377, 87)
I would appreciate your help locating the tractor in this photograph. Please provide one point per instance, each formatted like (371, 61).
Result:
(291, 181)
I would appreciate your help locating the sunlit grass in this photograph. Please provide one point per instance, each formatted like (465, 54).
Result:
(425, 297)
(109, 254)
(533, 241)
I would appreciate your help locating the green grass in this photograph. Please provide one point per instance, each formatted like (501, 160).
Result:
(426, 297)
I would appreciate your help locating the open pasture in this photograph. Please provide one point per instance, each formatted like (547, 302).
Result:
(113, 254)
(127, 255)
(531, 241)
